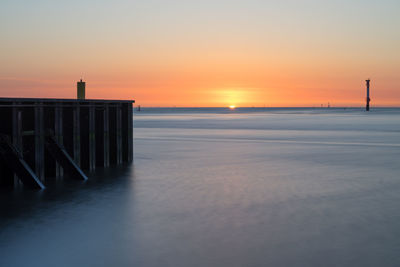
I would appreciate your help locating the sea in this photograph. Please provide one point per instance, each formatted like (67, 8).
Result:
(224, 188)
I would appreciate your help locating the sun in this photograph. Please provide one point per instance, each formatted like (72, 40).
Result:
(232, 107)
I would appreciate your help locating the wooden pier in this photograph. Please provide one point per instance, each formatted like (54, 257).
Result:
(47, 139)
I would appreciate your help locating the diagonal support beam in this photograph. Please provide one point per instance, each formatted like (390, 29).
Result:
(12, 156)
(63, 158)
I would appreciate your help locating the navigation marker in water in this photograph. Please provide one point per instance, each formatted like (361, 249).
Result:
(368, 99)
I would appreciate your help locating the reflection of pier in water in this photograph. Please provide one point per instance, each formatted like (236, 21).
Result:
(43, 139)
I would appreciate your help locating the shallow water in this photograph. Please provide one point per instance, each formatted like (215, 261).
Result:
(213, 187)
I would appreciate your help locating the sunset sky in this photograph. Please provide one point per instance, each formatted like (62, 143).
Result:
(203, 53)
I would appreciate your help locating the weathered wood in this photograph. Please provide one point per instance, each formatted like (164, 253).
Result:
(92, 138)
(77, 134)
(17, 134)
(106, 136)
(39, 141)
(130, 133)
(119, 133)
(58, 131)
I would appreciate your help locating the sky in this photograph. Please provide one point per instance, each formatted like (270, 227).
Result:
(203, 53)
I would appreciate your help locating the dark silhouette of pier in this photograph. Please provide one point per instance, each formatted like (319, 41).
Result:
(43, 139)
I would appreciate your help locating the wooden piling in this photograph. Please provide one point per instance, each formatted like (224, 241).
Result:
(17, 134)
(119, 133)
(106, 135)
(76, 134)
(92, 138)
(39, 141)
(130, 133)
(58, 131)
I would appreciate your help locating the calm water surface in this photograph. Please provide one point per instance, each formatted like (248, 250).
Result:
(213, 187)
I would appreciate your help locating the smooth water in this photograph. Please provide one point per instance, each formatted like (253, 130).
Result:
(214, 187)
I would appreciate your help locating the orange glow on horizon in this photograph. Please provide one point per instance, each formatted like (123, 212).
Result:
(252, 53)
(214, 77)
(228, 81)
(193, 92)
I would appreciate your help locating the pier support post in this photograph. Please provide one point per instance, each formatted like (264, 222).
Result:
(39, 141)
(130, 133)
(76, 134)
(106, 136)
(92, 138)
(7, 176)
(17, 134)
(58, 131)
(119, 133)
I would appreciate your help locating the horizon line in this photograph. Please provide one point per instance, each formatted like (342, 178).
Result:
(227, 107)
